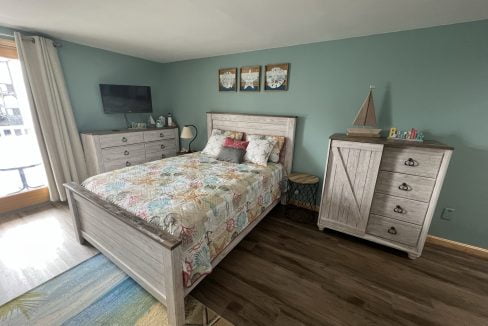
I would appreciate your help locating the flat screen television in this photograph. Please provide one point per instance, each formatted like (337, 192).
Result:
(126, 99)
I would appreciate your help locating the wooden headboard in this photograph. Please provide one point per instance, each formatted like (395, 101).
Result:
(258, 124)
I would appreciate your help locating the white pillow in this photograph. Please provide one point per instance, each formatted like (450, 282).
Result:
(259, 150)
(214, 145)
(275, 153)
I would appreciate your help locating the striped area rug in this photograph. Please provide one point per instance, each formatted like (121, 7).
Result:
(96, 292)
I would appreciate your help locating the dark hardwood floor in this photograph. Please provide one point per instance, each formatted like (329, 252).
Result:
(287, 272)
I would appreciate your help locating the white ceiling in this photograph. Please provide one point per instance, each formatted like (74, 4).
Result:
(173, 30)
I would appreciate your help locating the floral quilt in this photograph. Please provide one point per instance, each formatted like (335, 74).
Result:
(203, 201)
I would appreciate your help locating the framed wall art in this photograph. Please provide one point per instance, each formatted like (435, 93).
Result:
(276, 77)
(228, 79)
(250, 79)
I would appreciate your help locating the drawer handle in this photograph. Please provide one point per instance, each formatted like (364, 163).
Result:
(163, 156)
(124, 140)
(392, 230)
(399, 209)
(161, 135)
(404, 187)
(126, 152)
(411, 162)
(163, 147)
(127, 163)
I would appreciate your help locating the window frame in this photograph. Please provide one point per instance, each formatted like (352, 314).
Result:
(8, 49)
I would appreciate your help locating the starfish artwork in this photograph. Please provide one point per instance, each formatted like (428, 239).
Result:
(250, 78)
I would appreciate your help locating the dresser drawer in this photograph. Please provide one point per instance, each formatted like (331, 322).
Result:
(393, 230)
(411, 161)
(153, 156)
(123, 152)
(407, 210)
(118, 164)
(159, 134)
(158, 146)
(121, 139)
(405, 185)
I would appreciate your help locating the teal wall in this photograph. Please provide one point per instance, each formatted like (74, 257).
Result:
(434, 79)
(86, 67)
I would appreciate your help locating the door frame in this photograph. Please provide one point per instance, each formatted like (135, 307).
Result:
(24, 199)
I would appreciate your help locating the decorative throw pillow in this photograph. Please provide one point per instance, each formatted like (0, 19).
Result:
(231, 154)
(228, 133)
(259, 150)
(229, 142)
(275, 153)
(214, 145)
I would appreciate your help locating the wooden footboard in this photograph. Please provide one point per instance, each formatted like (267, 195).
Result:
(151, 257)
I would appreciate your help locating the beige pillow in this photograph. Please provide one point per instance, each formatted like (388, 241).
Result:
(259, 150)
(228, 133)
(275, 153)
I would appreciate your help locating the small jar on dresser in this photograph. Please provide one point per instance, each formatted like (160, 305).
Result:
(382, 190)
(114, 149)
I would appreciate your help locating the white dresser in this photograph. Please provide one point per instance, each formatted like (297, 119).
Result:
(383, 191)
(110, 150)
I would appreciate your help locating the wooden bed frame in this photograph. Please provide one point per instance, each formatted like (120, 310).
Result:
(153, 257)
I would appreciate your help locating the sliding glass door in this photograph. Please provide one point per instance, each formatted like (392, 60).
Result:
(22, 176)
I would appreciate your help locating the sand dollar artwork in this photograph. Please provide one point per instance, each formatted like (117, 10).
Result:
(276, 77)
(228, 79)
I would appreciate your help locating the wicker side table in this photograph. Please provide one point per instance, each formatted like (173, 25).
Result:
(302, 190)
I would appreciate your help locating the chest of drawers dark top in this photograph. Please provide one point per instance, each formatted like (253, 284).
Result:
(383, 190)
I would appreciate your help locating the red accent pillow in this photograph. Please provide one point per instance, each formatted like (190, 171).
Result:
(240, 144)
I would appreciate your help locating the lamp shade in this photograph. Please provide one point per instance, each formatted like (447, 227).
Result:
(186, 133)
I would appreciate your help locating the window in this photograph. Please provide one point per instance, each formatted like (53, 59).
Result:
(21, 170)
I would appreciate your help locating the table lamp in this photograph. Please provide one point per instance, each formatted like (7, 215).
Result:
(186, 133)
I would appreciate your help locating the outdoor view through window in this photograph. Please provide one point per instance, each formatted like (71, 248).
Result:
(20, 160)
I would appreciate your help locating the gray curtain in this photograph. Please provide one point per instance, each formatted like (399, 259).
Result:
(52, 114)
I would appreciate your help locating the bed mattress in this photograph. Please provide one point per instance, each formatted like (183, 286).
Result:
(204, 202)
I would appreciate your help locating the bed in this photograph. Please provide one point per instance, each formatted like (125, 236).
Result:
(167, 223)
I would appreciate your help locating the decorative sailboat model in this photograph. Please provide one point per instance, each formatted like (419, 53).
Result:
(366, 119)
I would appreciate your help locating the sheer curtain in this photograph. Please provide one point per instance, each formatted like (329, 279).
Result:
(52, 114)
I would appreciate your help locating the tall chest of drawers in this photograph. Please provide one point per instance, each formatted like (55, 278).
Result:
(383, 191)
(111, 150)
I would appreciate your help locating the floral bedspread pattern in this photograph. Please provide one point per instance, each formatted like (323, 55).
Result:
(203, 201)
